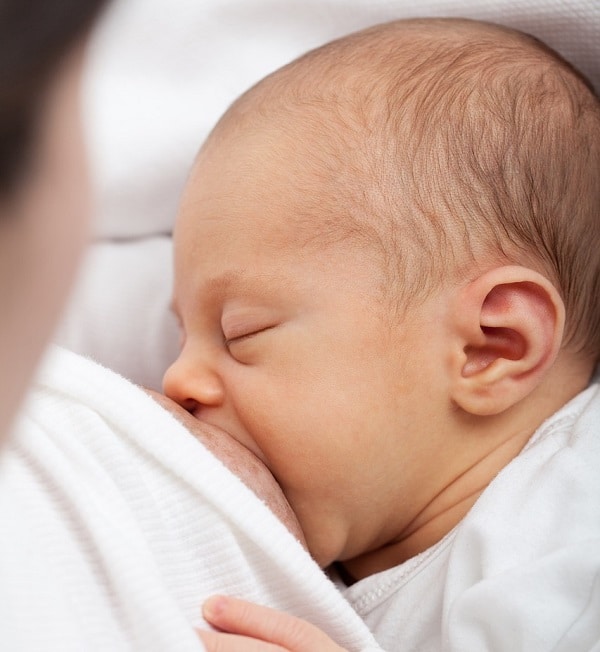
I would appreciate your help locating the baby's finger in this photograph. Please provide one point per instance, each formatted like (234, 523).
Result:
(248, 619)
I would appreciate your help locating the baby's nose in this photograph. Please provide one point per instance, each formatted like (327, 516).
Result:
(193, 384)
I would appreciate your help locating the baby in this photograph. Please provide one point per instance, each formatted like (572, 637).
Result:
(387, 274)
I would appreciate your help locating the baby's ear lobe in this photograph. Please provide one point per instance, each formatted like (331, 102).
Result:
(509, 325)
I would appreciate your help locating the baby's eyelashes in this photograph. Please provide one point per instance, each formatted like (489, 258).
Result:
(244, 338)
(239, 324)
(238, 339)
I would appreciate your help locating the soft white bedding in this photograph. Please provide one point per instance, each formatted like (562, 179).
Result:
(160, 75)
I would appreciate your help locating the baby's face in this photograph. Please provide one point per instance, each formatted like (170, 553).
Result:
(285, 344)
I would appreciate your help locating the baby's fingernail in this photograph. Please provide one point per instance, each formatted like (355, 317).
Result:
(214, 606)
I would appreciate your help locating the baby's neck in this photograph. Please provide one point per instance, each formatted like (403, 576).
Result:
(446, 509)
(494, 443)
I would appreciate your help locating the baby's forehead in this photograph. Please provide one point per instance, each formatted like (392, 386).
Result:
(295, 160)
(339, 141)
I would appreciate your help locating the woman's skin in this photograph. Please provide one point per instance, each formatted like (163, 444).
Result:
(42, 234)
(238, 459)
(251, 627)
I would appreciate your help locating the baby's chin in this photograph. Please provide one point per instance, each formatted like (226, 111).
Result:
(240, 461)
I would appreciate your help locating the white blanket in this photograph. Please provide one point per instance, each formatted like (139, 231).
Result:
(116, 524)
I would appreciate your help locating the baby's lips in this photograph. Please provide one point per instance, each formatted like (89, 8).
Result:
(214, 437)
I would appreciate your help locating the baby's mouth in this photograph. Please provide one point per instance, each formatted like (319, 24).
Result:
(221, 443)
(239, 459)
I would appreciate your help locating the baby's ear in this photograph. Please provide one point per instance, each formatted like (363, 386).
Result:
(508, 327)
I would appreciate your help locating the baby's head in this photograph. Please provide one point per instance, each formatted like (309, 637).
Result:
(387, 271)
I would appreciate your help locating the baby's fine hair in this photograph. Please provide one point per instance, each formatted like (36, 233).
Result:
(458, 146)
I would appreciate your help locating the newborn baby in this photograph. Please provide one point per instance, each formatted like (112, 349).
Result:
(386, 277)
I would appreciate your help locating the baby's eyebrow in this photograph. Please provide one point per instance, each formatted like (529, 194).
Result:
(239, 280)
(216, 285)
(217, 288)
(219, 284)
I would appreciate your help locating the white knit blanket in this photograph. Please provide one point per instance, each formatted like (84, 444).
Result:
(116, 524)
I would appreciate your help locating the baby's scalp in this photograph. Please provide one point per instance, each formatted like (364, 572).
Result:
(452, 146)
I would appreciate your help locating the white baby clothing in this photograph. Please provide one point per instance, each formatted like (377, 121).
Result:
(521, 572)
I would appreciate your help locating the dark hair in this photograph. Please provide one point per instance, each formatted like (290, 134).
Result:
(35, 35)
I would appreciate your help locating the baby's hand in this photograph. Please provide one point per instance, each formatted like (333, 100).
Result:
(247, 627)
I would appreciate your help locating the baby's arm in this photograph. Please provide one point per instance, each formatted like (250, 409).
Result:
(247, 627)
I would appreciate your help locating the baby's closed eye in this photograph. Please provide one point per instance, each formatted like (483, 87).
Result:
(246, 334)
(241, 327)
(250, 347)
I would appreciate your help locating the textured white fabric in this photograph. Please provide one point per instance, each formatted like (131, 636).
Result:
(521, 572)
(116, 524)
